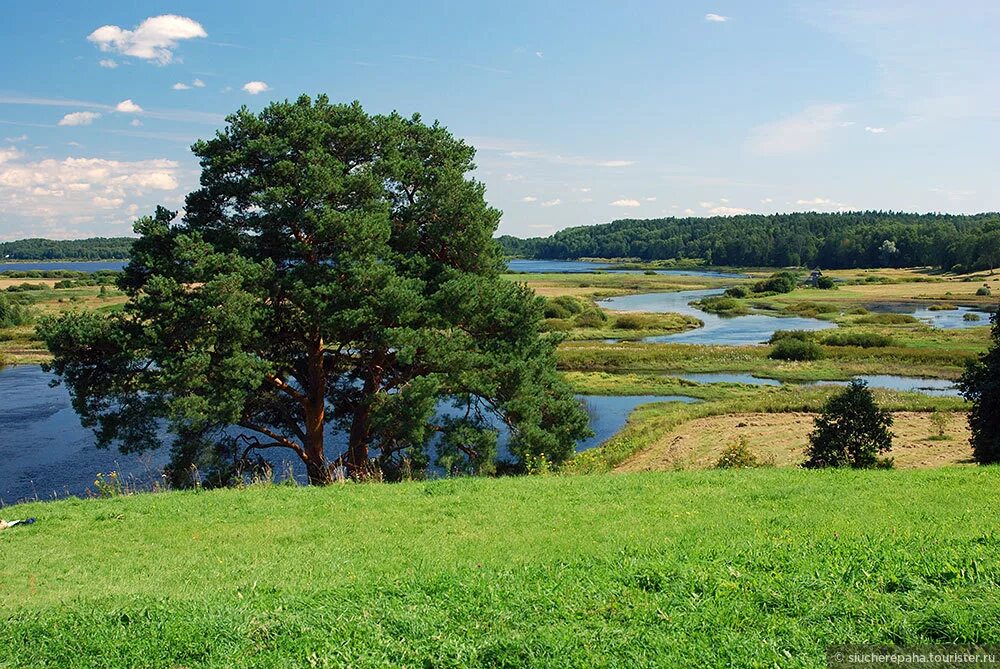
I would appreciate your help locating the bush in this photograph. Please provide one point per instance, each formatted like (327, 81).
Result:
(858, 311)
(862, 339)
(737, 455)
(13, 314)
(781, 282)
(801, 335)
(557, 325)
(888, 319)
(984, 291)
(980, 384)
(630, 322)
(942, 307)
(721, 305)
(738, 292)
(825, 283)
(564, 306)
(971, 317)
(851, 431)
(592, 318)
(796, 349)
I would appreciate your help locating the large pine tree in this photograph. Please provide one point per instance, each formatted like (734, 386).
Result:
(335, 272)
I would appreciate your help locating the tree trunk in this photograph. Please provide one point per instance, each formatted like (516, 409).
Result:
(315, 410)
(357, 445)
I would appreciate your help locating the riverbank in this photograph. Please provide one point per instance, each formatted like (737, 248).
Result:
(738, 568)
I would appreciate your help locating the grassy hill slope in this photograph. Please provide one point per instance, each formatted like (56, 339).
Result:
(711, 568)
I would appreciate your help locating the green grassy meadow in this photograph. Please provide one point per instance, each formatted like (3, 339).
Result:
(715, 568)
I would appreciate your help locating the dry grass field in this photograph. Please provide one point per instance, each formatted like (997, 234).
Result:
(781, 438)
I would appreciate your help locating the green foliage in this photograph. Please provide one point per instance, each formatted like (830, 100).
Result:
(972, 318)
(564, 306)
(851, 431)
(630, 322)
(737, 455)
(837, 241)
(862, 339)
(721, 305)
(981, 385)
(826, 283)
(780, 282)
(336, 271)
(801, 335)
(942, 307)
(13, 314)
(983, 291)
(796, 349)
(737, 292)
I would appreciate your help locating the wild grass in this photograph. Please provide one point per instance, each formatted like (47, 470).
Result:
(761, 567)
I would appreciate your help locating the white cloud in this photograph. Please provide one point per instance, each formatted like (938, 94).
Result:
(815, 201)
(552, 203)
(874, 131)
(198, 83)
(808, 130)
(728, 211)
(513, 177)
(625, 203)
(59, 190)
(689, 212)
(180, 86)
(19, 138)
(255, 87)
(135, 123)
(128, 107)
(154, 39)
(8, 154)
(716, 18)
(79, 118)
(650, 199)
(767, 200)
(540, 54)
(108, 63)
(529, 198)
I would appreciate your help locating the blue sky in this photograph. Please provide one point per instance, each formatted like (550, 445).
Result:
(581, 112)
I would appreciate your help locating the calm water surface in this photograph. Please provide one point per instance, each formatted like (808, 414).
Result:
(83, 266)
(724, 330)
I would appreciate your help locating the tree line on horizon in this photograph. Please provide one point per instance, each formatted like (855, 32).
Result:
(830, 240)
(94, 248)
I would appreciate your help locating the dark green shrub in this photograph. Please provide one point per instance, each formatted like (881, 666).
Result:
(942, 307)
(983, 291)
(796, 349)
(592, 318)
(564, 306)
(825, 283)
(971, 317)
(858, 311)
(781, 282)
(851, 431)
(862, 339)
(981, 385)
(737, 292)
(801, 335)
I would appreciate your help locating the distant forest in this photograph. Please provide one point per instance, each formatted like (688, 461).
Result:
(834, 241)
(95, 248)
